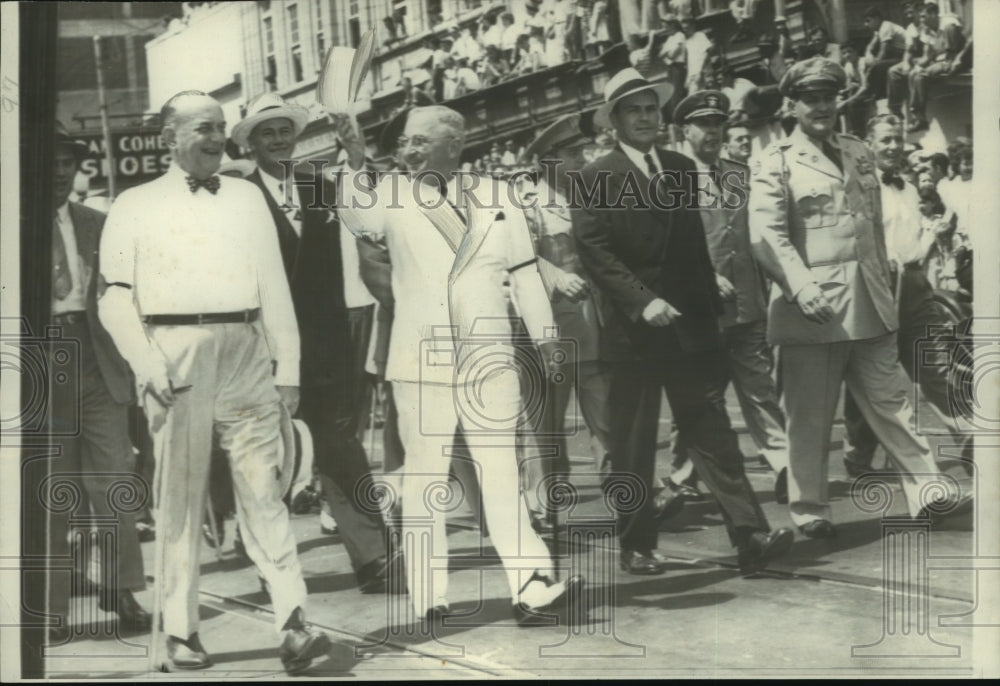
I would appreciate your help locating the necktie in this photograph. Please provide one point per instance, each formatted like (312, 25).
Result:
(211, 184)
(62, 280)
(834, 155)
(650, 165)
(891, 178)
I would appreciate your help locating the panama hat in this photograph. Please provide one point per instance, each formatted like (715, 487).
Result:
(269, 106)
(623, 84)
(565, 131)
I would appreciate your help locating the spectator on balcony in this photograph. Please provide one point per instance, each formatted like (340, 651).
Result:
(899, 72)
(536, 49)
(735, 88)
(450, 78)
(942, 42)
(492, 68)
(412, 95)
(509, 157)
(467, 46)
(886, 48)
(854, 106)
(490, 32)
(682, 9)
(640, 53)
(557, 13)
(698, 46)
(743, 11)
(467, 79)
(597, 37)
(819, 45)
(508, 41)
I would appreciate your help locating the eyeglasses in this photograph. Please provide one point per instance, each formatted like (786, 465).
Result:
(419, 141)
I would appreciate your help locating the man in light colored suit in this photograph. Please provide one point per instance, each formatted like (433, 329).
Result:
(450, 255)
(816, 220)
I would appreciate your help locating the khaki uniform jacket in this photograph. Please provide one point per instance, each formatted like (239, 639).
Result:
(810, 223)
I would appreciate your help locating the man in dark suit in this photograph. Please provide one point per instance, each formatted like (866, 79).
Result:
(641, 238)
(98, 458)
(334, 335)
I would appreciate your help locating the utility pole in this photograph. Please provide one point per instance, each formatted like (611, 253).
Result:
(105, 126)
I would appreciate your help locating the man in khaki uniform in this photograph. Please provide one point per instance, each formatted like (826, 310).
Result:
(816, 220)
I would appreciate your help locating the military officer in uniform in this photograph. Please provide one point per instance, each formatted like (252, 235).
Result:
(816, 218)
(722, 188)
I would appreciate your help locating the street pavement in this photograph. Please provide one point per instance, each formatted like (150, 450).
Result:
(886, 597)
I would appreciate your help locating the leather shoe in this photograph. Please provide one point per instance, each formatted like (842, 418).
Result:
(131, 614)
(189, 654)
(689, 493)
(634, 562)
(781, 487)
(942, 509)
(819, 528)
(526, 615)
(667, 505)
(761, 547)
(302, 644)
(855, 469)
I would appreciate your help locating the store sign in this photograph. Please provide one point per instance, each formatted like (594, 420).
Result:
(138, 156)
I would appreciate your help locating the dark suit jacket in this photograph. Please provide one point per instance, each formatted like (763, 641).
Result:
(637, 252)
(87, 226)
(314, 267)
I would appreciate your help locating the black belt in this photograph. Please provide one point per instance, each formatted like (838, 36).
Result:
(243, 317)
(78, 317)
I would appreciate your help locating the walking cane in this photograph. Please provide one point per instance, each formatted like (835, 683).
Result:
(159, 489)
(551, 514)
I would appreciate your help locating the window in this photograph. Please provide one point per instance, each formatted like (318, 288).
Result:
(296, 46)
(271, 67)
(320, 38)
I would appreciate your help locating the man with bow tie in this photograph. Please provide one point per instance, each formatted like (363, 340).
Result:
(101, 453)
(816, 218)
(198, 303)
(335, 314)
(452, 242)
(917, 309)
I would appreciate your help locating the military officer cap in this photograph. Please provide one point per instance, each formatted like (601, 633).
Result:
(568, 130)
(813, 74)
(701, 104)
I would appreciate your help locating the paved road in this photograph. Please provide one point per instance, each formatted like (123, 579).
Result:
(811, 614)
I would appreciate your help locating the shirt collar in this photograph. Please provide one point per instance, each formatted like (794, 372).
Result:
(639, 158)
(62, 213)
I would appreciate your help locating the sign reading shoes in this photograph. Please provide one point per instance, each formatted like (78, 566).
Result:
(139, 156)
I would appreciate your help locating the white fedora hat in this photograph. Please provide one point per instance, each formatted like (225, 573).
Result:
(269, 106)
(623, 84)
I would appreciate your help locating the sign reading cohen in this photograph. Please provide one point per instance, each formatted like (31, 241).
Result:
(139, 156)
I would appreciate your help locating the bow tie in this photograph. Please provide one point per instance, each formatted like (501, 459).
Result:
(211, 184)
(890, 178)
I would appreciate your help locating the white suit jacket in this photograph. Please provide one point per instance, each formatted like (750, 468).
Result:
(448, 305)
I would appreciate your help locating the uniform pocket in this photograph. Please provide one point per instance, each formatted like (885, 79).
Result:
(816, 206)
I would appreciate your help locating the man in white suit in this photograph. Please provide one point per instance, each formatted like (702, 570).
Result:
(450, 255)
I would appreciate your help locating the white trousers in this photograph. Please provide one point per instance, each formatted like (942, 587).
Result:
(427, 421)
(232, 392)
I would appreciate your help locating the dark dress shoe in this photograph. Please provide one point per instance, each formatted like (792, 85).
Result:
(131, 614)
(666, 505)
(689, 493)
(819, 528)
(856, 469)
(302, 644)
(634, 562)
(436, 614)
(526, 615)
(781, 487)
(146, 531)
(943, 508)
(761, 547)
(189, 654)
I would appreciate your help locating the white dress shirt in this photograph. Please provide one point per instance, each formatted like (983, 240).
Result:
(76, 300)
(639, 158)
(195, 253)
(901, 220)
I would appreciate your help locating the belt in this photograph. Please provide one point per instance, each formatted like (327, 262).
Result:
(242, 317)
(78, 317)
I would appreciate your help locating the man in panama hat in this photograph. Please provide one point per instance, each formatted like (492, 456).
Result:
(649, 256)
